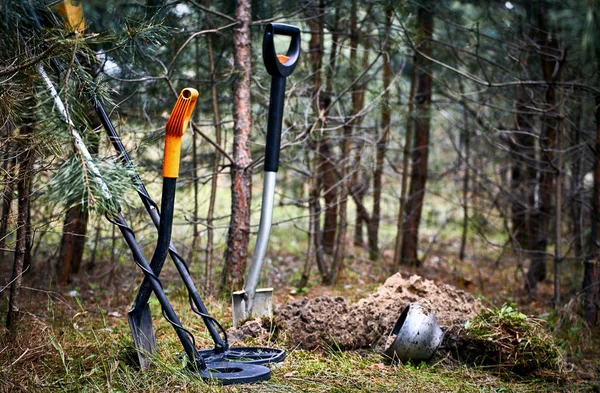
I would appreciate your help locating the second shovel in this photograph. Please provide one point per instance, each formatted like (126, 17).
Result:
(252, 301)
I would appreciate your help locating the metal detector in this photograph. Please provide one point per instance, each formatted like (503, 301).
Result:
(228, 365)
(198, 364)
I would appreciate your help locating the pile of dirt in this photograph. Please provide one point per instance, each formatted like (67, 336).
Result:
(331, 321)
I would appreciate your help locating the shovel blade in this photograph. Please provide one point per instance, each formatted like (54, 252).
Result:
(140, 323)
(262, 307)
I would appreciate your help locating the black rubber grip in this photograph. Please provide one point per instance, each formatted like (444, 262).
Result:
(276, 103)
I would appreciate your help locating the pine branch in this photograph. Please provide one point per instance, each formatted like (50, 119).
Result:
(45, 54)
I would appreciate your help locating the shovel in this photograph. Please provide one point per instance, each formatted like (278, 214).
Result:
(253, 302)
(140, 318)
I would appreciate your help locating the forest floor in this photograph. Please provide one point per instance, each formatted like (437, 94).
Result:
(77, 339)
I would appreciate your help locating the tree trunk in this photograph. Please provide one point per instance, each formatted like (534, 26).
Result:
(523, 173)
(576, 206)
(466, 140)
(340, 241)
(420, 153)
(558, 198)
(405, 168)
(72, 243)
(591, 274)
(326, 166)
(360, 183)
(319, 104)
(238, 235)
(27, 261)
(327, 171)
(23, 201)
(7, 198)
(386, 116)
(540, 221)
(315, 214)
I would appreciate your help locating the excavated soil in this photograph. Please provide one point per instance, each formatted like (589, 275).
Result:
(331, 321)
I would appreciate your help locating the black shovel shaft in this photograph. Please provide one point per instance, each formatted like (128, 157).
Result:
(145, 290)
(155, 285)
(164, 239)
(276, 104)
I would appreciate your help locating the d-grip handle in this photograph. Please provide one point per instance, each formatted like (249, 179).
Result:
(276, 65)
(279, 72)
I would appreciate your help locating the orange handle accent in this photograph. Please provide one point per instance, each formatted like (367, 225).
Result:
(176, 125)
(283, 58)
(72, 13)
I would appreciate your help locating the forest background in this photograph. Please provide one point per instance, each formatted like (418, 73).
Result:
(459, 140)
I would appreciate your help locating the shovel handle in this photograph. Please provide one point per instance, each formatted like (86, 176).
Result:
(176, 125)
(281, 65)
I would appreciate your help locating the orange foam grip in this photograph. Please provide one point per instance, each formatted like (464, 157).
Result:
(177, 124)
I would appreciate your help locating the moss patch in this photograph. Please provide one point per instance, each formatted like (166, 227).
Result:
(506, 339)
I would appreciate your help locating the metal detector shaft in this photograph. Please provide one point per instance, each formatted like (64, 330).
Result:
(152, 209)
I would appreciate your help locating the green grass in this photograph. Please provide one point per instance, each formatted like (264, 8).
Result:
(85, 350)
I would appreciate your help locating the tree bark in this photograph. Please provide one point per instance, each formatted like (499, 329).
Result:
(523, 172)
(327, 175)
(420, 153)
(591, 274)
(340, 241)
(72, 244)
(466, 140)
(360, 183)
(405, 168)
(386, 116)
(326, 166)
(319, 104)
(576, 206)
(540, 221)
(558, 190)
(7, 198)
(20, 250)
(241, 173)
